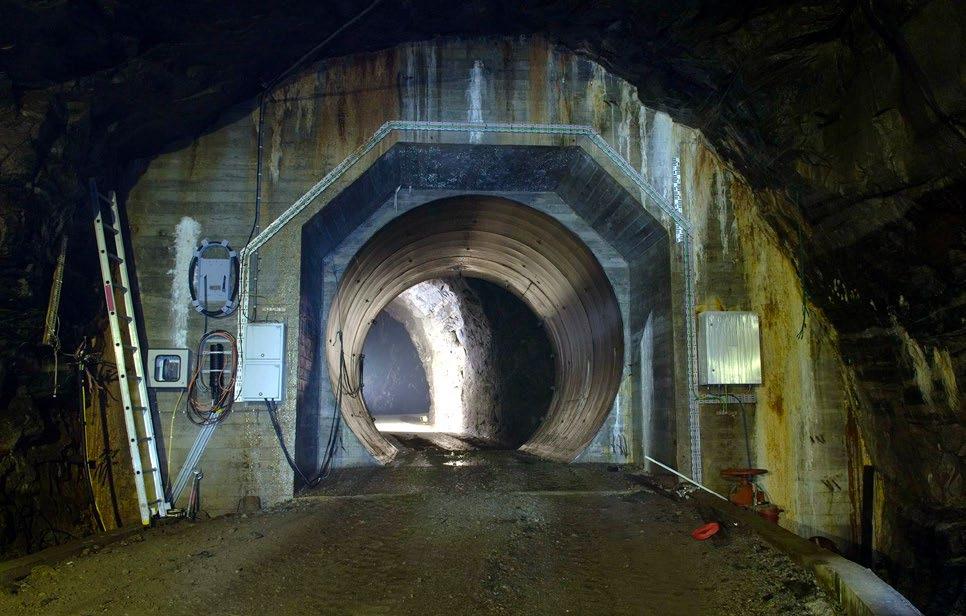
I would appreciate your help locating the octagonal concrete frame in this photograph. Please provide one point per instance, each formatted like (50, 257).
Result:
(499, 223)
(571, 161)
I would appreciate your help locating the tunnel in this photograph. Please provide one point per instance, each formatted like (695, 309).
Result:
(508, 244)
(458, 363)
(773, 197)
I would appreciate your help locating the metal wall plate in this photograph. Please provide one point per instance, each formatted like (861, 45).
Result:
(168, 368)
(729, 348)
(264, 346)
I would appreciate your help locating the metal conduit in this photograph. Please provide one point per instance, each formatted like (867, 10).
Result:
(507, 243)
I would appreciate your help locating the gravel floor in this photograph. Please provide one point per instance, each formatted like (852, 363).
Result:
(458, 534)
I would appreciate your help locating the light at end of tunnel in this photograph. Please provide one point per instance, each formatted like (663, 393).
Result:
(401, 426)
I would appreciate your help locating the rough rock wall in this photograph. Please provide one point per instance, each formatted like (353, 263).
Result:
(523, 359)
(452, 338)
(393, 375)
(488, 363)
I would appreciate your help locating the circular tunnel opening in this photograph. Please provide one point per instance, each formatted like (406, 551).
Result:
(458, 363)
(487, 242)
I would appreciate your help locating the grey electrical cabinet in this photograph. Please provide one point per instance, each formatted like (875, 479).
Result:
(729, 348)
(263, 355)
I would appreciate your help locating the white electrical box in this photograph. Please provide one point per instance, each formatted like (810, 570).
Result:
(264, 341)
(262, 373)
(729, 348)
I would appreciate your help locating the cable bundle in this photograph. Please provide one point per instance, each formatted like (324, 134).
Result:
(220, 381)
(345, 388)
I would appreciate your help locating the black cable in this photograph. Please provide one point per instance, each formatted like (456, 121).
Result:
(262, 104)
(308, 55)
(335, 429)
(744, 422)
(323, 472)
(272, 414)
(267, 93)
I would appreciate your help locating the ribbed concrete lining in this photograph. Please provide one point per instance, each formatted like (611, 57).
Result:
(510, 244)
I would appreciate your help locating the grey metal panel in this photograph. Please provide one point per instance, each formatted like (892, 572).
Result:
(729, 348)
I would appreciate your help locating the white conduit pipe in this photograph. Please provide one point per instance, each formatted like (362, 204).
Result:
(688, 479)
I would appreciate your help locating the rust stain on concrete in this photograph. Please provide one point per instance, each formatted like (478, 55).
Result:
(775, 293)
(539, 54)
(776, 403)
(853, 444)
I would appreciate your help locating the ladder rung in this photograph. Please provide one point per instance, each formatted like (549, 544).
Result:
(128, 347)
(140, 408)
(104, 199)
(114, 257)
(145, 439)
(126, 319)
(134, 377)
(119, 288)
(110, 229)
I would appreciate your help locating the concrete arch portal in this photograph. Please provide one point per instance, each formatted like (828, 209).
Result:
(547, 223)
(536, 258)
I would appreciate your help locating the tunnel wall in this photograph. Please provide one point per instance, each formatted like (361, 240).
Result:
(801, 412)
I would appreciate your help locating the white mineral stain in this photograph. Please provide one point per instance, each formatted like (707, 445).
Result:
(642, 141)
(474, 99)
(597, 106)
(647, 382)
(661, 154)
(629, 105)
(186, 236)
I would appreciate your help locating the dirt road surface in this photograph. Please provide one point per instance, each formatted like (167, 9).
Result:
(450, 534)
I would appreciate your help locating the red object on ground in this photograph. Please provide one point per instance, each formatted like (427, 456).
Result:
(703, 532)
(744, 493)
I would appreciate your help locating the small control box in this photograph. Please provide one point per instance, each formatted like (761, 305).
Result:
(168, 368)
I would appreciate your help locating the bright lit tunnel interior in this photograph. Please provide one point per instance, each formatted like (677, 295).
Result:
(458, 363)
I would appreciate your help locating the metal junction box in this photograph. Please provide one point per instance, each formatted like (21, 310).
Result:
(729, 348)
(262, 374)
(168, 368)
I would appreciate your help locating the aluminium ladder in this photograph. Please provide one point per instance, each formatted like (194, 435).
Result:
(141, 440)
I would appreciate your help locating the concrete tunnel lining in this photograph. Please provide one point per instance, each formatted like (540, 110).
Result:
(507, 243)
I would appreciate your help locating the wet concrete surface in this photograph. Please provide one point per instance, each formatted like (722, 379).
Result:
(458, 533)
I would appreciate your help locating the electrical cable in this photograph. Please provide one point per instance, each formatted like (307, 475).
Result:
(308, 55)
(221, 389)
(272, 408)
(335, 428)
(263, 99)
(174, 413)
(87, 464)
(744, 420)
(744, 423)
